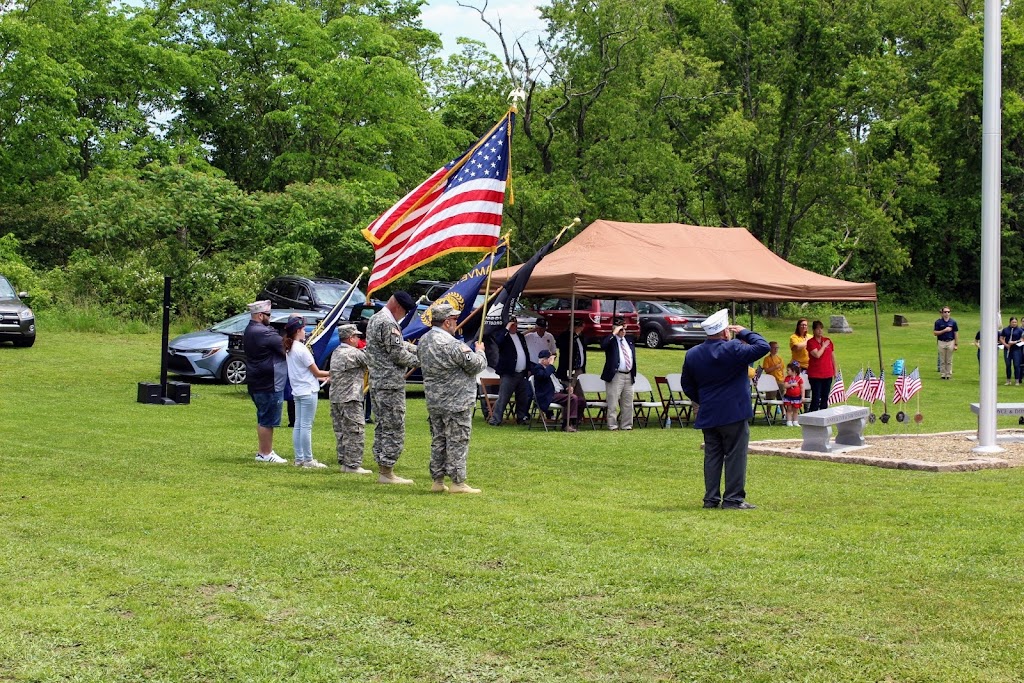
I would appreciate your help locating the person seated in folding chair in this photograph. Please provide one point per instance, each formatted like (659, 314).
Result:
(774, 366)
(619, 374)
(545, 393)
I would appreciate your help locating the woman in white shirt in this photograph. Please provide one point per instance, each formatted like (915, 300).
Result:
(305, 378)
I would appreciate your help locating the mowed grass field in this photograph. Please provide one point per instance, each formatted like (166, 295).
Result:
(144, 543)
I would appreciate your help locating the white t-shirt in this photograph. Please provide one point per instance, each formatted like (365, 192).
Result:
(537, 343)
(303, 381)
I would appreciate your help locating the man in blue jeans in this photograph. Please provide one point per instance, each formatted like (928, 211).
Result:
(266, 372)
(715, 378)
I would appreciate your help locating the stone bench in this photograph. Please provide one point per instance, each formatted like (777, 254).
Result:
(848, 420)
(1002, 408)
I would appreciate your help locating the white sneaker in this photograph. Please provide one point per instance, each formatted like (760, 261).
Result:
(273, 457)
(311, 464)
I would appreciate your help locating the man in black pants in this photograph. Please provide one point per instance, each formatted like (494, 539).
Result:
(715, 378)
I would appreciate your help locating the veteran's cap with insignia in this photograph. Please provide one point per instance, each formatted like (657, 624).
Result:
(716, 322)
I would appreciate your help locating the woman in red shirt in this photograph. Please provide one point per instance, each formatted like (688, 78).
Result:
(821, 367)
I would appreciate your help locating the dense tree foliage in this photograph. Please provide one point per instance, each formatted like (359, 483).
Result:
(223, 141)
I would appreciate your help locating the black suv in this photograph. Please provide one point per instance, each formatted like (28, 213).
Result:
(314, 294)
(17, 321)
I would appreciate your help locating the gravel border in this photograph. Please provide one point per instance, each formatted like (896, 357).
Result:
(939, 452)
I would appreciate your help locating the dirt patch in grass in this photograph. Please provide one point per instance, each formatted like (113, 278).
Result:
(945, 452)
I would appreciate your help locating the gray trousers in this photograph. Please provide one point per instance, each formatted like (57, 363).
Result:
(514, 384)
(349, 432)
(619, 396)
(389, 434)
(725, 447)
(449, 443)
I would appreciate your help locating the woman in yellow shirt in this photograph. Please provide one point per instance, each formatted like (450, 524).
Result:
(798, 344)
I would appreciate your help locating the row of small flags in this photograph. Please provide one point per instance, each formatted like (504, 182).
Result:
(870, 387)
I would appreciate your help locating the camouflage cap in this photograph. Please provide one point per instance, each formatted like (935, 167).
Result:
(346, 331)
(441, 312)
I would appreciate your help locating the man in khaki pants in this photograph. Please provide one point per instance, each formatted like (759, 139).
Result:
(948, 334)
(619, 375)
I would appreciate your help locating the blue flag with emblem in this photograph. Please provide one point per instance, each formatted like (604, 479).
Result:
(461, 295)
(319, 339)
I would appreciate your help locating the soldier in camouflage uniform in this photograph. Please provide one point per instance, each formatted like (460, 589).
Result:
(389, 358)
(449, 382)
(348, 376)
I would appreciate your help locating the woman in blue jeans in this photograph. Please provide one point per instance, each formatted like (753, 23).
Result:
(304, 376)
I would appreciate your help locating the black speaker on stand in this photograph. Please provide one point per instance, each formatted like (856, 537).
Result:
(157, 393)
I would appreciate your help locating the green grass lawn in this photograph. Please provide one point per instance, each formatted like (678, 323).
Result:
(143, 542)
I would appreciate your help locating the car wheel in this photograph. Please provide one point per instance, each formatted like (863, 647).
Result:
(25, 343)
(234, 371)
(652, 338)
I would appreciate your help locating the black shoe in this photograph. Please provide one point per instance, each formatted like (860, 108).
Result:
(710, 506)
(741, 506)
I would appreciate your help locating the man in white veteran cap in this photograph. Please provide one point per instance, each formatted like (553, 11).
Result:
(265, 375)
(715, 377)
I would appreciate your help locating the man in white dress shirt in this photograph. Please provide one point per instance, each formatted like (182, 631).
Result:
(619, 374)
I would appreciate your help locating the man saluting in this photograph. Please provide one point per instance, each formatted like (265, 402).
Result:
(715, 377)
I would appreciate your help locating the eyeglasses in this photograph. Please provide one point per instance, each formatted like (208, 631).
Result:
(946, 311)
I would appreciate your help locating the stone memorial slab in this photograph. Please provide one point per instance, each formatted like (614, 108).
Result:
(837, 324)
(900, 321)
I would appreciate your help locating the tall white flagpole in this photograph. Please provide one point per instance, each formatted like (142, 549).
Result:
(991, 155)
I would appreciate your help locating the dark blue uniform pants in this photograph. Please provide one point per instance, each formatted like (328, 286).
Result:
(725, 447)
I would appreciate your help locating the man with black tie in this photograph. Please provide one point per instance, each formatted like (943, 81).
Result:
(579, 354)
(618, 375)
(513, 367)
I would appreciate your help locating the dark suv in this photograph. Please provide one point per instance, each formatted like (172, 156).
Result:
(17, 321)
(314, 294)
(597, 315)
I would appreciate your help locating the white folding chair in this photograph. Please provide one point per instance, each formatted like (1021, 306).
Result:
(766, 384)
(643, 399)
(592, 389)
(675, 385)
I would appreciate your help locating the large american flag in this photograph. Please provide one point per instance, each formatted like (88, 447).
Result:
(458, 208)
(857, 385)
(906, 386)
(838, 393)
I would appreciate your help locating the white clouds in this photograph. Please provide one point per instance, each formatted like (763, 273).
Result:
(520, 19)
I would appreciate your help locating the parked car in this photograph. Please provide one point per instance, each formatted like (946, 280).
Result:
(669, 322)
(313, 294)
(597, 315)
(206, 354)
(17, 321)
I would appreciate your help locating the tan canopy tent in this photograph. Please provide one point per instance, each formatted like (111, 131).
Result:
(675, 261)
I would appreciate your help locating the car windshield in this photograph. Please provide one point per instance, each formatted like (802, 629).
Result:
(6, 291)
(681, 309)
(330, 292)
(619, 306)
(233, 325)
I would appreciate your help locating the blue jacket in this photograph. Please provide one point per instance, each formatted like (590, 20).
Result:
(610, 344)
(543, 387)
(715, 377)
(507, 352)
